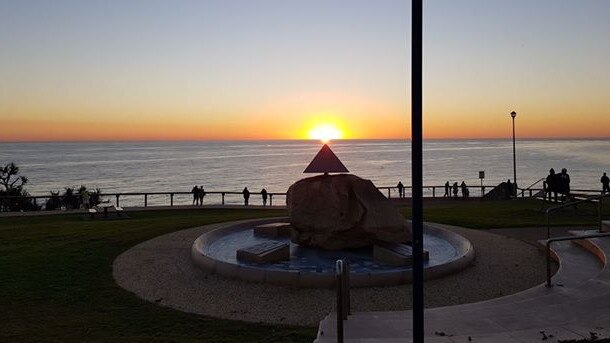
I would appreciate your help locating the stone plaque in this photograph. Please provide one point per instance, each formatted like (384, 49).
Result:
(266, 252)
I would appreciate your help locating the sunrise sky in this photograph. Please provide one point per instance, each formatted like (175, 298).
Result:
(277, 69)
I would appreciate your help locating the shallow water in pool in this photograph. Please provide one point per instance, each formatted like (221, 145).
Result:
(323, 261)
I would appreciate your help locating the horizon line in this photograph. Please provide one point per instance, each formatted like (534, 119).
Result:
(298, 139)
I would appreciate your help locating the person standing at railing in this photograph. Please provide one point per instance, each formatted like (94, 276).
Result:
(455, 189)
(605, 184)
(401, 190)
(201, 194)
(246, 194)
(447, 190)
(264, 195)
(195, 192)
(465, 192)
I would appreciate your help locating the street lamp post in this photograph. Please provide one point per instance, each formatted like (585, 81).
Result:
(513, 114)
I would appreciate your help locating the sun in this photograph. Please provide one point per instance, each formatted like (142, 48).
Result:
(325, 132)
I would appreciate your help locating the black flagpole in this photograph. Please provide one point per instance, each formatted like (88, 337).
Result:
(417, 168)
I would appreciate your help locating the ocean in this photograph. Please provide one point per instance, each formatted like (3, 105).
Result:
(275, 165)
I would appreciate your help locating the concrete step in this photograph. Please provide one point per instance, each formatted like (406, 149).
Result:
(576, 268)
(582, 292)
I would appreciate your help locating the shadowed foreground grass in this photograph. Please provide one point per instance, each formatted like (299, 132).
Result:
(56, 283)
(56, 274)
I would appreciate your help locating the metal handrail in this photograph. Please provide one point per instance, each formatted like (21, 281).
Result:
(532, 185)
(561, 239)
(529, 188)
(343, 296)
(599, 198)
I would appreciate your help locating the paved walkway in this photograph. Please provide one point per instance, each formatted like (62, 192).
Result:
(577, 307)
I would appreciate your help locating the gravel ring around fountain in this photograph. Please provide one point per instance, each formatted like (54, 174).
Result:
(160, 270)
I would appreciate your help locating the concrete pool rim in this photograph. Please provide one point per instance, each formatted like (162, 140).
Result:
(465, 254)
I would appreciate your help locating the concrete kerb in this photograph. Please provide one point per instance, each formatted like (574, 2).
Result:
(591, 246)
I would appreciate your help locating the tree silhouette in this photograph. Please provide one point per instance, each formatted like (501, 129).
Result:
(13, 197)
(10, 179)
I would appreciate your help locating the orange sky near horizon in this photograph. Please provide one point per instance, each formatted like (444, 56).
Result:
(295, 116)
(377, 126)
(211, 70)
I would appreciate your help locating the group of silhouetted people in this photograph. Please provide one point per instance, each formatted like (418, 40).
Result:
(453, 190)
(557, 184)
(246, 194)
(198, 195)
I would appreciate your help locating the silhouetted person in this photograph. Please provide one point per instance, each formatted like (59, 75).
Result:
(511, 191)
(195, 192)
(264, 195)
(465, 191)
(455, 189)
(201, 194)
(401, 189)
(246, 194)
(447, 189)
(605, 184)
(564, 182)
(551, 184)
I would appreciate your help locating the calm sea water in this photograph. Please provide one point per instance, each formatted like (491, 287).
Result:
(275, 165)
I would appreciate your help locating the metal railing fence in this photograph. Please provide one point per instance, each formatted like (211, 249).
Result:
(549, 241)
(173, 198)
(597, 199)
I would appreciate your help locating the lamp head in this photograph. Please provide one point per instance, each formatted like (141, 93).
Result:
(513, 114)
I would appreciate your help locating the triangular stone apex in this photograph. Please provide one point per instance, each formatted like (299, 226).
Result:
(326, 162)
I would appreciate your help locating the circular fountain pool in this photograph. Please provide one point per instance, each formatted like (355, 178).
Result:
(311, 267)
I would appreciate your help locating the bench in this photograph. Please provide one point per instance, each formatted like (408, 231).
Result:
(102, 210)
(266, 252)
(395, 254)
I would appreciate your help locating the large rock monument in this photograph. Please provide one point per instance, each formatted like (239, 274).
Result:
(341, 211)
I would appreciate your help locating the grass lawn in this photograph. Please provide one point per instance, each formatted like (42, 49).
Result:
(56, 283)
(505, 214)
(56, 274)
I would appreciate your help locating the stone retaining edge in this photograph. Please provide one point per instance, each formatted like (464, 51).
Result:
(465, 252)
